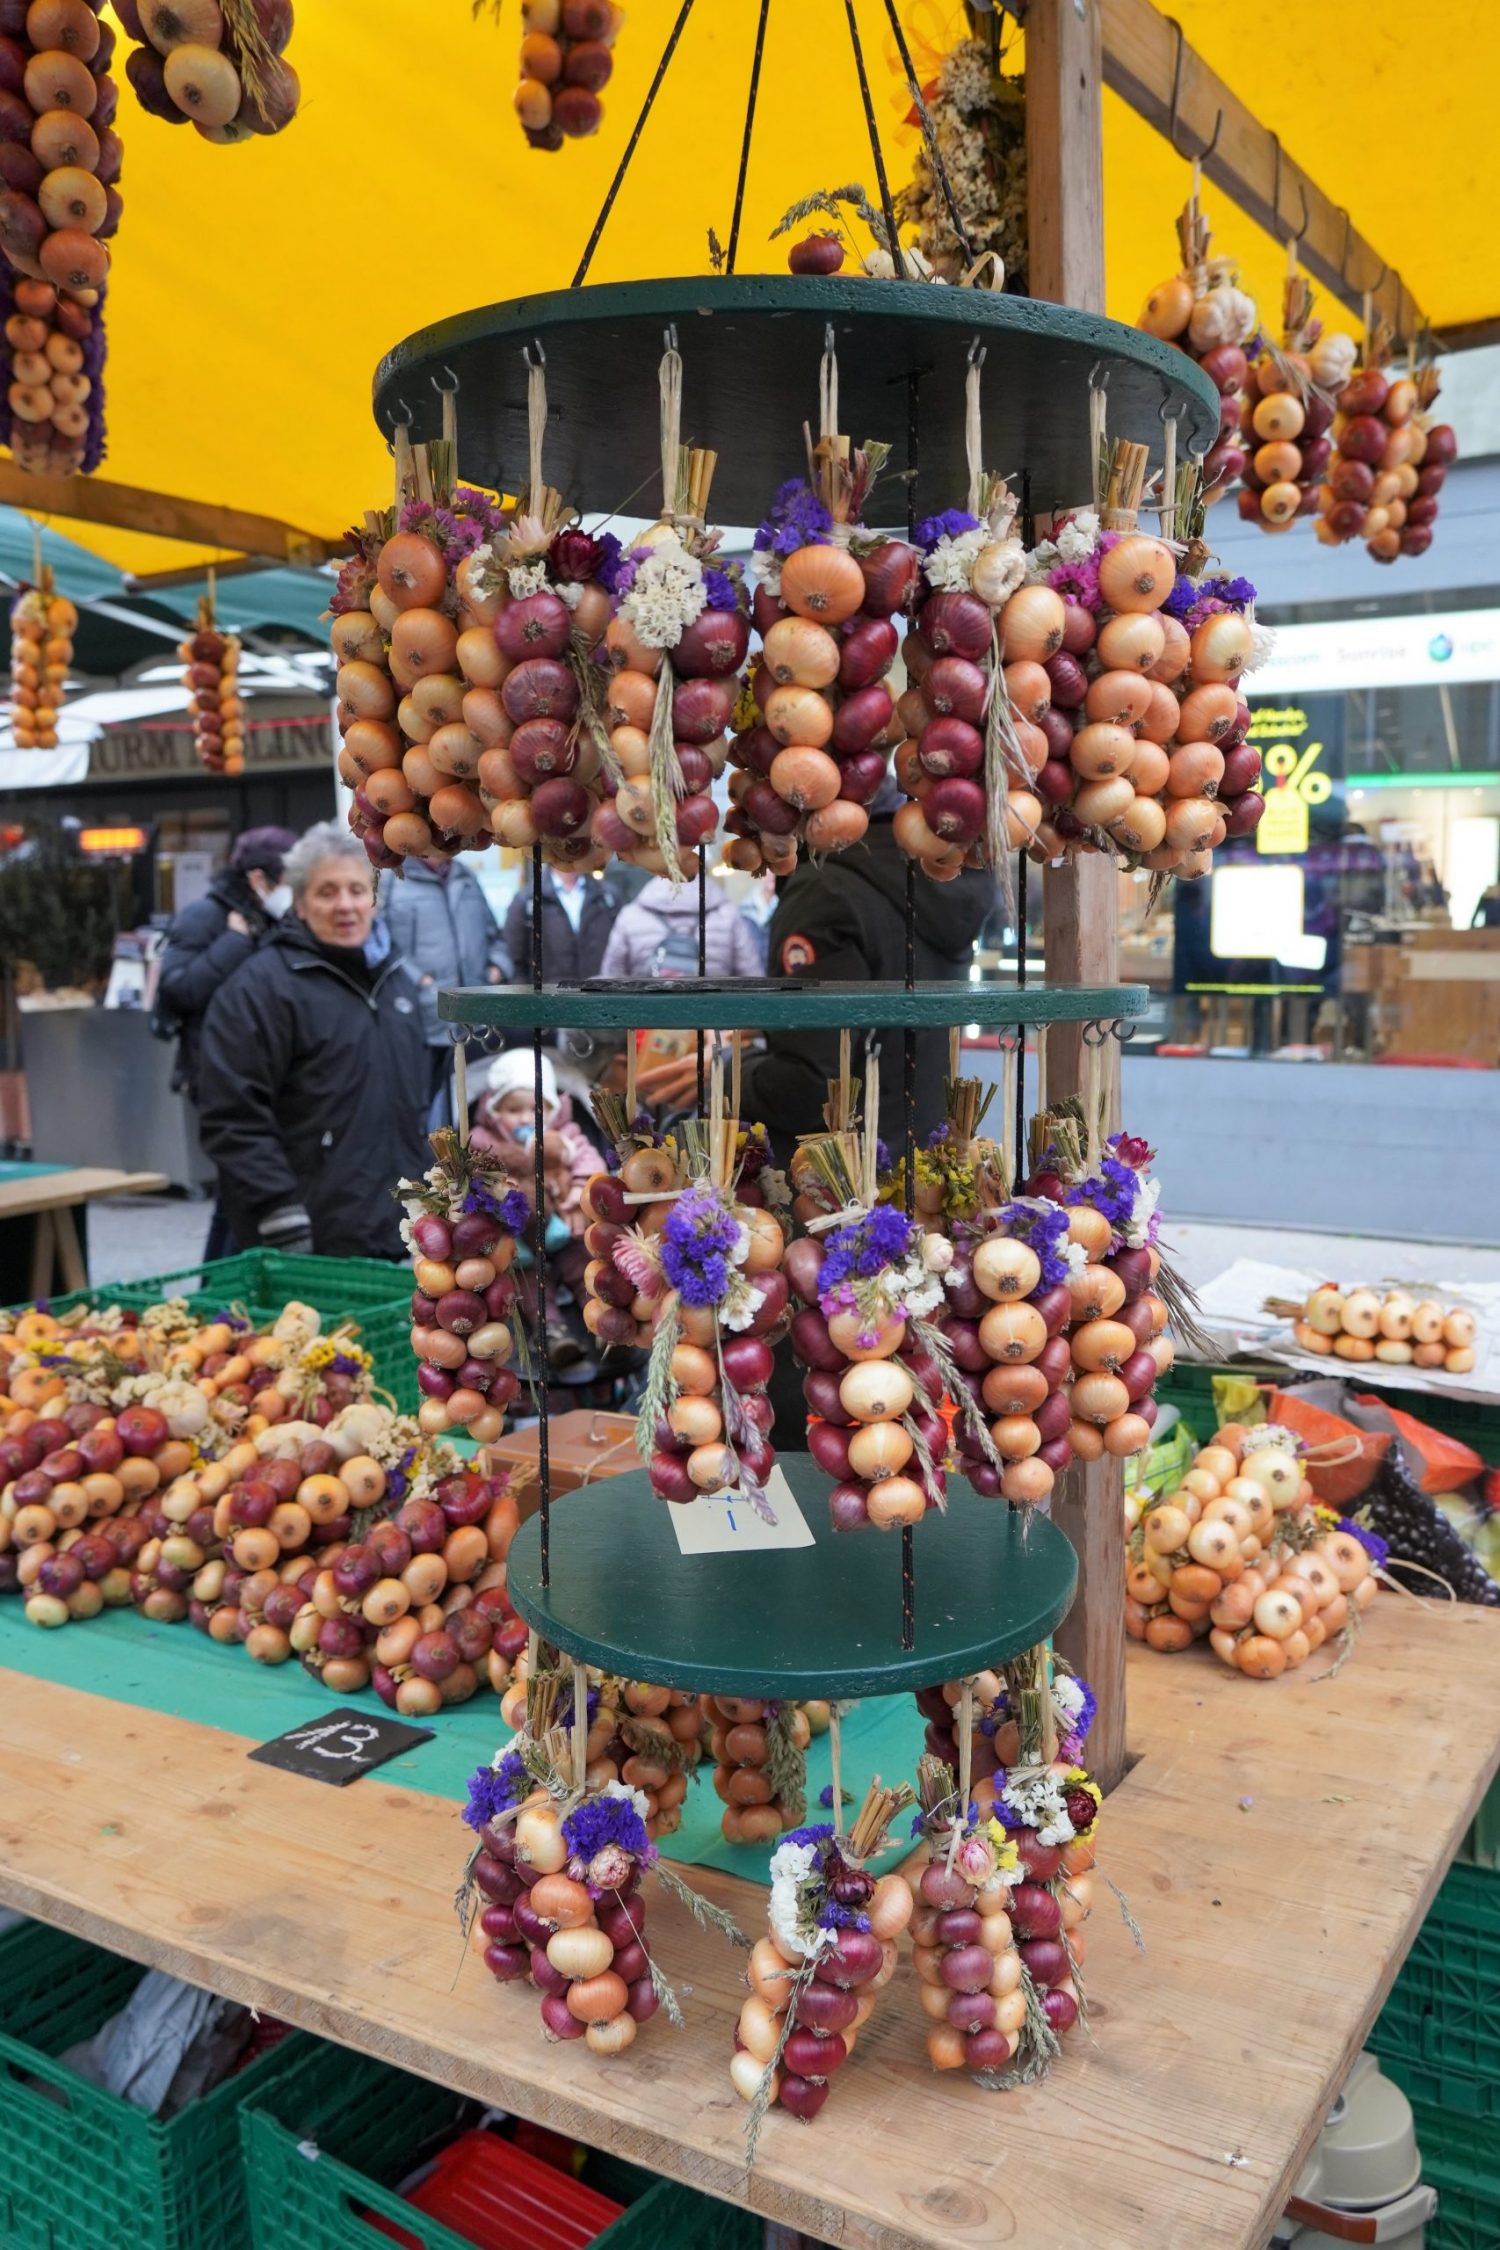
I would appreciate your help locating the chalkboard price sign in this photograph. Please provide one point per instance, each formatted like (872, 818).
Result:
(340, 1746)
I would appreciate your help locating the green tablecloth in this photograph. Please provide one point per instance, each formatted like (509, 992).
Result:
(181, 1673)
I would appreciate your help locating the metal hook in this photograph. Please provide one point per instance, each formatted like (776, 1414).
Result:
(1176, 86)
(448, 389)
(1164, 417)
(1212, 143)
(976, 352)
(403, 417)
(1344, 252)
(1098, 382)
(534, 346)
(1298, 237)
(1276, 186)
(830, 341)
(1371, 287)
(1197, 452)
(669, 337)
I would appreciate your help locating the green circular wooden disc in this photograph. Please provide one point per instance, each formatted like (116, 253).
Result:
(820, 1621)
(751, 346)
(746, 1003)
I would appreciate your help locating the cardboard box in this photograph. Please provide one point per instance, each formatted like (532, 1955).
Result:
(582, 1448)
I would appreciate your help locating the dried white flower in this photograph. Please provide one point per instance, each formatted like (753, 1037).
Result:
(950, 566)
(1078, 538)
(528, 578)
(667, 595)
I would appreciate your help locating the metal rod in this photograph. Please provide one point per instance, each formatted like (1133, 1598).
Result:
(630, 146)
(739, 185)
(703, 972)
(886, 204)
(909, 1037)
(929, 135)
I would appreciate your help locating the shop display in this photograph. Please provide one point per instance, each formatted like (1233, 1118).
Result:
(1397, 1327)
(464, 1220)
(819, 717)
(59, 161)
(1203, 311)
(1242, 1555)
(218, 64)
(51, 371)
(211, 662)
(566, 61)
(831, 1949)
(403, 625)
(1289, 411)
(42, 624)
(1390, 458)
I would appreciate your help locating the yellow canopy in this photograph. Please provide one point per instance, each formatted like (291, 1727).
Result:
(255, 288)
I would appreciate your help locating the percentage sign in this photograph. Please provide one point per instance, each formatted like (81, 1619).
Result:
(1295, 773)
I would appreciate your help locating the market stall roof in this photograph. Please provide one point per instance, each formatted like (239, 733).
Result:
(255, 288)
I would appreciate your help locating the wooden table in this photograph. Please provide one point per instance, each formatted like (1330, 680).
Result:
(1279, 1846)
(51, 1196)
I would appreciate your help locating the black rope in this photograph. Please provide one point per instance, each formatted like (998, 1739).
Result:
(739, 185)
(539, 1229)
(929, 135)
(1020, 1027)
(886, 205)
(703, 972)
(630, 146)
(909, 1037)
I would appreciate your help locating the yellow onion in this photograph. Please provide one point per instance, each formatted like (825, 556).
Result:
(878, 1390)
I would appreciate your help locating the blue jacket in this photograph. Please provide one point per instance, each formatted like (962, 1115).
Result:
(442, 929)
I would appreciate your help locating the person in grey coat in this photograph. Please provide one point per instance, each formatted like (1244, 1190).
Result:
(657, 936)
(442, 929)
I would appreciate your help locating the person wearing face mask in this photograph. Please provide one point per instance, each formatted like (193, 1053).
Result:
(313, 1070)
(205, 944)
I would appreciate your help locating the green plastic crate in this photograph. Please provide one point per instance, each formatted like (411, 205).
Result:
(333, 2137)
(79, 2168)
(1438, 2034)
(1464, 2166)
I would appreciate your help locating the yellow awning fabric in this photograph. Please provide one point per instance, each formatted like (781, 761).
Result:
(255, 288)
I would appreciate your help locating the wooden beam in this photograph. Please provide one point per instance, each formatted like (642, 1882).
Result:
(127, 507)
(193, 574)
(1064, 136)
(1145, 55)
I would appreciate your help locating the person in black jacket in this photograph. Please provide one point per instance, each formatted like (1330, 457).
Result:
(206, 943)
(313, 1070)
(578, 913)
(844, 922)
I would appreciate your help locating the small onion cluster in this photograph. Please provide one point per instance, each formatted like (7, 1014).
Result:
(535, 766)
(615, 1310)
(1395, 1327)
(461, 1323)
(59, 161)
(1285, 425)
(585, 1955)
(1389, 465)
(701, 681)
(216, 64)
(968, 1967)
(1006, 1335)
(1236, 1556)
(566, 62)
(42, 624)
(823, 715)
(739, 1743)
(864, 1387)
(75, 1478)
(51, 368)
(211, 669)
(1206, 314)
(671, 1723)
(827, 2010)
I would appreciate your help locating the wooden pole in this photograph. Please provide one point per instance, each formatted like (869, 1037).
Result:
(1064, 129)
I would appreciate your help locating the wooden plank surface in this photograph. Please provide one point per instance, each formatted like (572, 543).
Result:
(52, 1191)
(130, 508)
(1301, 1827)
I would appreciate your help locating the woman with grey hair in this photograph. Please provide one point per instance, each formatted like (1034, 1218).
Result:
(313, 1075)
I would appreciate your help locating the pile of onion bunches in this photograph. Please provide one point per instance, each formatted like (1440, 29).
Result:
(461, 1333)
(1144, 721)
(566, 62)
(59, 161)
(824, 718)
(739, 1742)
(1389, 465)
(863, 1394)
(41, 649)
(211, 660)
(51, 370)
(1393, 1326)
(1285, 430)
(585, 1954)
(220, 67)
(1238, 1556)
(703, 666)
(827, 2008)
(71, 1475)
(414, 640)
(1207, 315)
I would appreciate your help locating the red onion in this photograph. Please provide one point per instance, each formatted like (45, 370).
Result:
(823, 2007)
(541, 688)
(1079, 629)
(949, 746)
(460, 1311)
(1133, 1267)
(1057, 1454)
(860, 719)
(1054, 1360)
(1034, 1912)
(861, 776)
(812, 1343)
(714, 645)
(820, 1388)
(758, 751)
(848, 1508)
(964, 1344)
(829, 1447)
(1054, 1414)
(960, 1925)
(537, 625)
(867, 651)
(814, 2054)
(695, 767)
(766, 608)
(956, 625)
(758, 1411)
(435, 1382)
(770, 813)
(955, 687)
(433, 1237)
(892, 574)
(1069, 680)
(1046, 1958)
(853, 1959)
(463, 1498)
(1241, 770)
(1137, 1374)
(670, 1480)
(774, 1298)
(747, 1362)
(630, 1962)
(507, 1962)
(954, 809)
(697, 817)
(560, 808)
(1060, 2010)
(804, 2097)
(643, 2002)
(1243, 816)
(557, 2020)
(542, 748)
(701, 709)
